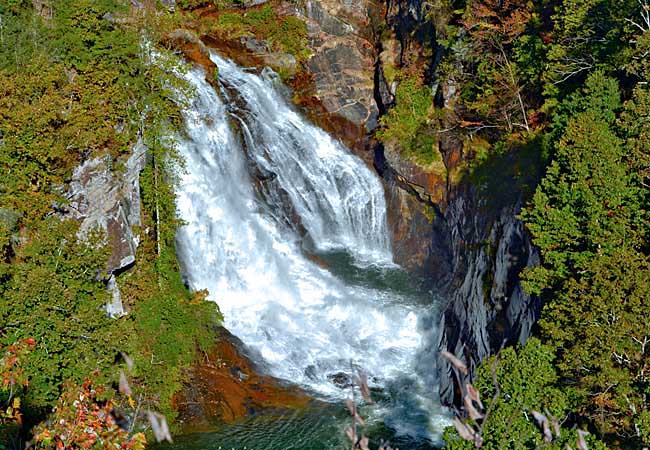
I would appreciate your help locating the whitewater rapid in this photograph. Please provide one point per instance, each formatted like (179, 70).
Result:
(241, 195)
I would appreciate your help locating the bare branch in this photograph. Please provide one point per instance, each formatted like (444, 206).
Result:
(159, 426)
(474, 394)
(457, 363)
(471, 410)
(464, 430)
(582, 444)
(124, 387)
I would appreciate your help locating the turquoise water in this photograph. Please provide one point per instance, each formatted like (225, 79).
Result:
(397, 417)
(319, 427)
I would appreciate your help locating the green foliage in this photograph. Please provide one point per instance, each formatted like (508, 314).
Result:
(596, 322)
(589, 215)
(520, 162)
(95, 40)
(408, 122)
(79, 93)
(56, 282)
(284, 34)
(291, 37)
(512, 386)
(587, 35)
(193, 4)
(635, 125)
(582, 209)
(78, 83)
(502, 59)
(635, 60)
(589, 219)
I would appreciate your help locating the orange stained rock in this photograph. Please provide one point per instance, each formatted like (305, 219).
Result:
(224, 387)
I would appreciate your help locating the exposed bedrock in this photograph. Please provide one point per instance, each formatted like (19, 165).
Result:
(486, 307)
(102, 198)
(105, 199)
(342, 41)
(224, 386)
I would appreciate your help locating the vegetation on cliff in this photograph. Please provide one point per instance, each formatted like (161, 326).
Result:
(561, 84)
(268, 34)
(409, 122)
(515, 386)
(284, 34)
(77, 81)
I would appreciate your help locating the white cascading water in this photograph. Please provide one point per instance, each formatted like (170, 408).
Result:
(306, 323)
(340, 202)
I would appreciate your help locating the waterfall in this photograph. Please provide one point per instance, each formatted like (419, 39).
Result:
(339, 201)
(240, 196)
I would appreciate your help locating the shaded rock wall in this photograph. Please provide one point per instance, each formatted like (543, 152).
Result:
(487, 307)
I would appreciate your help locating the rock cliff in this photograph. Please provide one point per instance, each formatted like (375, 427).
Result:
(342, 42)
(486, 306)
(443, 225)
(105, 199)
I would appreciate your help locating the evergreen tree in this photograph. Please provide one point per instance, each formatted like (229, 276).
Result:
(584, 217)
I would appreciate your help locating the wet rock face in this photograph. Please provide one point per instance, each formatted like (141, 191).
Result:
(473, 252)
(224, 387)
(410, 229)
(487, 307)
(109, 201)
(430, 182)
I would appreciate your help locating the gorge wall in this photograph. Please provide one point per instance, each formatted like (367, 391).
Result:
(460, 232)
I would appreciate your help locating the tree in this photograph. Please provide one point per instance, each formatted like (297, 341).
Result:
(635, 123)
(13, 380)
(582, 208)
(494, 27)
(83, 419)
(519, 391)
(587, 35)
(588, 219)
